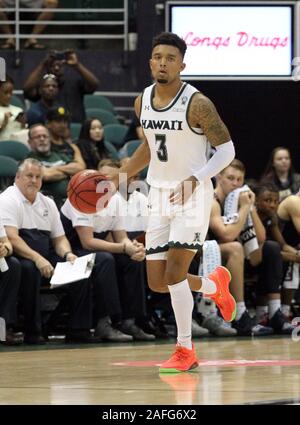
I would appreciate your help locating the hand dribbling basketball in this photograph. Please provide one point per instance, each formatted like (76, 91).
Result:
(89, 191)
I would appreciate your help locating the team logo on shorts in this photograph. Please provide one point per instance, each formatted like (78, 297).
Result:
(197, 237)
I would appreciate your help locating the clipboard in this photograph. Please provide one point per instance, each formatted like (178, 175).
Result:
(66, 272)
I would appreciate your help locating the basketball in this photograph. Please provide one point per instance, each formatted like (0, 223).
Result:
(85, 193)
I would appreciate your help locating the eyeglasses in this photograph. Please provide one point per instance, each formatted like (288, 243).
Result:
(40, 136)
(46, 76)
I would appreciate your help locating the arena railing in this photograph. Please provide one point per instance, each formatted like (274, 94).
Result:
(123, 101)
(18, 23)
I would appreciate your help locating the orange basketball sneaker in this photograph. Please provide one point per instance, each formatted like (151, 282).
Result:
(181, 360)
(223, 298)
(183, 386)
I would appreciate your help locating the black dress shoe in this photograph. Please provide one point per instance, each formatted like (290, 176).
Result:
(137, 333)
(13, 339)
(81, 337)
(34, 339)
(246, 326)
(280, 324)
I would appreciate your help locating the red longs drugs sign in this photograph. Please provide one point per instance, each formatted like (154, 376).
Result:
(250, 39)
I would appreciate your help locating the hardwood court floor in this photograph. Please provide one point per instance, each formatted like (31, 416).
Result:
(232, 371)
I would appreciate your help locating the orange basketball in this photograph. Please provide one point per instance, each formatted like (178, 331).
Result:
(85, 190)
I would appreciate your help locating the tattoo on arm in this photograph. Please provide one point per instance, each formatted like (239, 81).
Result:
(202, 113)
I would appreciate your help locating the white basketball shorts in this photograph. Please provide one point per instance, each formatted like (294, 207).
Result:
(179, 226)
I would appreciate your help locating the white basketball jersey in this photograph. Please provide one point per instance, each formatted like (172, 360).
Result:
(177, 150)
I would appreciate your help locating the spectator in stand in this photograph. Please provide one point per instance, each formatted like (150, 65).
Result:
(74, 81)
(118, 277)
(91, 143)
(288, 213)
(134, 201)
(270, 265)
(280, 171)
(36, 233)
(58, 120)
(38, 28)
(9, 289)
(267, 201)
(48, 91)
(227, 234)
(57, 167)
(12, 118)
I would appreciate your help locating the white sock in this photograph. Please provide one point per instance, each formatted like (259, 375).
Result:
(240, 309)
(286, 309)
(261, 311)
(208, 286)
(182, 302)
(273, 305)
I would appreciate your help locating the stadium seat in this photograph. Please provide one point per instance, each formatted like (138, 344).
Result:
(112, 150)
(98, 101)
(102, 115)
(90, 4)
(115, 133)
(16, 101)
(8, 169)
(14, 149)
(75, 130)
(129, 148)
(143, 173)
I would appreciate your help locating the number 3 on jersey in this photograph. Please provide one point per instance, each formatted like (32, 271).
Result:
(162, 152)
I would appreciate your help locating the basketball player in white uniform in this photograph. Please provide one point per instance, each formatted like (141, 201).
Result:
(178, 121)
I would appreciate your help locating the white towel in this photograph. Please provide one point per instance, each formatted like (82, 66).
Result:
(248, 235)
(211, 258)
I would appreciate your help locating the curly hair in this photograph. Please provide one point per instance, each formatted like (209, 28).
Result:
(170, 39)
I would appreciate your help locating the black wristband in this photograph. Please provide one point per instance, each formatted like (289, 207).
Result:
(66, 254)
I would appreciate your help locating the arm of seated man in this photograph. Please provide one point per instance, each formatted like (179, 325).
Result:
(63, 248)
(228, 232)
(74, 166)
(134, 249)
(89, 242)
(53, 174)
(23, 250)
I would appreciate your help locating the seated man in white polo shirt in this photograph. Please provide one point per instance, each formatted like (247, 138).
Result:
(33, 226)
(118, 276)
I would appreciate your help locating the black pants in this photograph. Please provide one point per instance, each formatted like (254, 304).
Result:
(271, 269)
(118, 286)
(9, 290)
(131, 280)
(79, 294)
